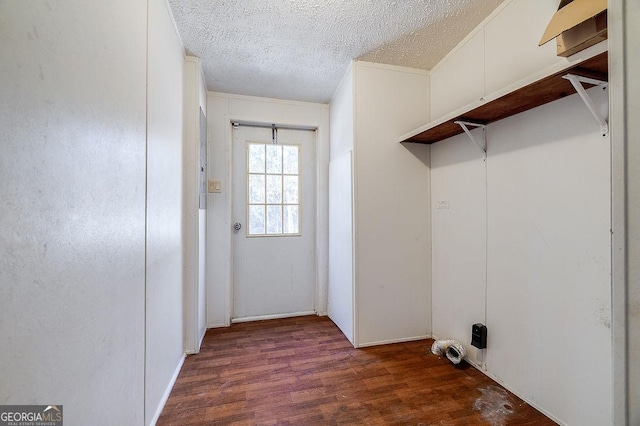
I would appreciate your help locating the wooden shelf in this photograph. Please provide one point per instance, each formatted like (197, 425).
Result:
(540, 92)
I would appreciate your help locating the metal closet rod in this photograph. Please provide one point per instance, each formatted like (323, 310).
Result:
(271, 126)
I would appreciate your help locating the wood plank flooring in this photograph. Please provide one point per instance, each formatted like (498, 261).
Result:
(303, 371)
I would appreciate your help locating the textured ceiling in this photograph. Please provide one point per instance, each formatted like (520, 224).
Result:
(300, 49)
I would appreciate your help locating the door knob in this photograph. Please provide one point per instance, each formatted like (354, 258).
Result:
(237, 226)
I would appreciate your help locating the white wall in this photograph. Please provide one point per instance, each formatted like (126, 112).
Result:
(459, 238)
(72, 215)
(221, 109)
(548, 256)
(164, 325)
(549, 260)
(341, 308)
(391, 206)
(452, 85)
(342, 116)
(511, 38)
(194, 217)
(525, 243)
(500, 55)
(341, 284)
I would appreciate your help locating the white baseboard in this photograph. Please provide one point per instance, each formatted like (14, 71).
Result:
(219, 325)
(484, 371)
(201, 339)
(274, 316)
(197, 350)
(167, 392)
(388, 342)
(516, 393)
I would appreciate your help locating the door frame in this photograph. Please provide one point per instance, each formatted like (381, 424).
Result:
(321, 252)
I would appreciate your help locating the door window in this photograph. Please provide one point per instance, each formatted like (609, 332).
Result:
(273, 190)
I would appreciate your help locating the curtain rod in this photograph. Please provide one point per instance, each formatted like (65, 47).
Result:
(236, 123)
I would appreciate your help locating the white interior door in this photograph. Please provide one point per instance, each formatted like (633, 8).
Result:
(274, 204)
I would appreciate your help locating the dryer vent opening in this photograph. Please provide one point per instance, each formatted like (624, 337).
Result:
(452, 349)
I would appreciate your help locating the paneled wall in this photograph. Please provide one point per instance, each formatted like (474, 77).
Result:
(545, 196)
(221, 109)
(164, 290)
(459, 240)
(391, 206)
(90, 177)
(521, 240)
(72, 216)
(195, 103)
(500, 53)
(341, 289)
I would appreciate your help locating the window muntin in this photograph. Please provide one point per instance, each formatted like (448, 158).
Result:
(273, 190)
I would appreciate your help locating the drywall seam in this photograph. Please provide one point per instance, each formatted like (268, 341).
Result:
(354, 212)
(485, 160)
(146, 216)
(229, 178)
(430, 219)
(354, 315)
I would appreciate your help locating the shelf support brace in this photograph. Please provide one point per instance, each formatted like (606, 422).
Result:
(482, 147)
(576, 81)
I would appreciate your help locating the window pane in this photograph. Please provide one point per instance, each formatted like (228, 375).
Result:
(274, 189)
(274, 219)
(290, 160)
(256, 158)
(290, 189)
(256, 220)
(290, 220)
(274, 158)
(256, 189)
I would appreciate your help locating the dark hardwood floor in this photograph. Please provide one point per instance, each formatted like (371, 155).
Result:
(303, 371)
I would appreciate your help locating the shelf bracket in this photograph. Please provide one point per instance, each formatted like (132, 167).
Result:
(576, 81)
(482, 147)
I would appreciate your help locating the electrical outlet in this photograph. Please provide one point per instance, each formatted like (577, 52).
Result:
(442, 205)
(214, 186)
